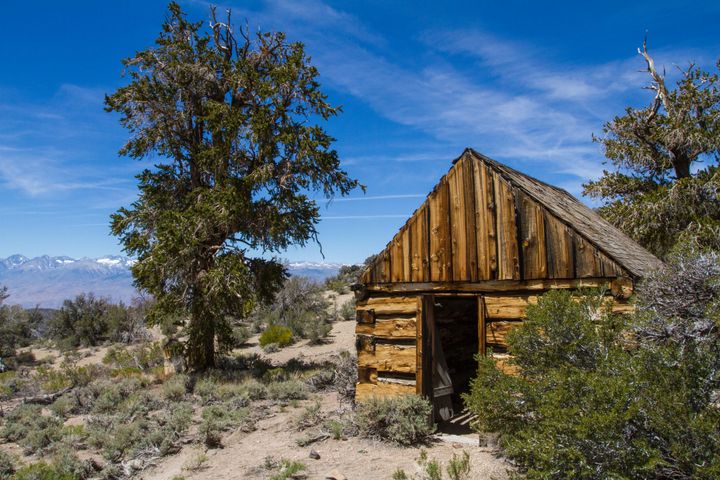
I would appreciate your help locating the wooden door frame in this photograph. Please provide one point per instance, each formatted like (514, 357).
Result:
(424, 339)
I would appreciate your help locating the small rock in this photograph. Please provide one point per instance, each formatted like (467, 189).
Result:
(335, 475)
(314, 454)
(457, 445)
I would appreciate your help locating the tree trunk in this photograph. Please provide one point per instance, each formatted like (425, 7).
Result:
(201, 340)
(682, 167)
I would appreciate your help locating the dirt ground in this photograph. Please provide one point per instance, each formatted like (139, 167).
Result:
(244, 454)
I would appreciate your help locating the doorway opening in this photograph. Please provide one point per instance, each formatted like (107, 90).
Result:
(456, 342)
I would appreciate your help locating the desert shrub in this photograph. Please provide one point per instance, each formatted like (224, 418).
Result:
(142, 357)
(301, 307)
(345, 376)
(458, 468)
(27, 426)
(67, 375)
(277, 335)
(116, 395)
(347, 311)
(403, 420)
(138, 428)
(117, 439)
(196, 463)
(80, 400)
(346, 277)
(218, 386)
(240, 335)
(64, 460)
(43, 471)
(310, 416)
(287, 390)
(590, 403)
(12, 384)
(176, 387)
(430, 468)
(288, 469)
(254, 389)
(335, 428)
(217, 419)
(400, 474)
(7, 465)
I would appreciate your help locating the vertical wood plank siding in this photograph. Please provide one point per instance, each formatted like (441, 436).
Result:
(476, 225)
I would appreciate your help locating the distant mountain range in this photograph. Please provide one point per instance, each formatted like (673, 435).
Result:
(46, 281)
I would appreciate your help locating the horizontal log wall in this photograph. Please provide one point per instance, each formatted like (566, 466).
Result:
(503, 313)
(477, 226)
(389, 359)
(386, 333)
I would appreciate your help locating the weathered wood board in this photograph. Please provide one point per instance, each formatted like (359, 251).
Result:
(365, 391)
(479, 224)
(388, 357)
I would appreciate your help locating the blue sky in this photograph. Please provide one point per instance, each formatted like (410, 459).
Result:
(419, 81)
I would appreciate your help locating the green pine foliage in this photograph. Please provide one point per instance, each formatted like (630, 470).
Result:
(88, 321)
(664, 188)
(604, 397)
(17, 327)
(233, 122)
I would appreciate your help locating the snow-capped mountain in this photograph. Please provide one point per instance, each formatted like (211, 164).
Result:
(47, 281)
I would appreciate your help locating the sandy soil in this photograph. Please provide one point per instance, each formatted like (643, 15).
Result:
(244, 454)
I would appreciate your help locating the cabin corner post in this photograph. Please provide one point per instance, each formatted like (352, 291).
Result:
(482, 326)
(419, 347)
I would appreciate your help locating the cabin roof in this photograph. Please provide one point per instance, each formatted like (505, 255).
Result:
(609, 241)
(608, 238)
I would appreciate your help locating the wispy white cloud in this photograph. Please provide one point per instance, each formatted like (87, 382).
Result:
(380, 197)
(53, 146)
(363, 217)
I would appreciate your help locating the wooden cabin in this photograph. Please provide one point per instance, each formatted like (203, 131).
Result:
(460, 273)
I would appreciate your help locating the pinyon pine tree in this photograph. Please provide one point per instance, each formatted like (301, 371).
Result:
(665, 189)
(232, 122)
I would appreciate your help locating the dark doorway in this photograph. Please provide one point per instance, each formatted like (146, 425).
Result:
(456, 344)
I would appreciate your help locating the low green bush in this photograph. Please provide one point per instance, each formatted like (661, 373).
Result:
(116, 394)
(254, 389)
(602, 397)
(141, 357)
(347, 311)
(176, 387)
(7, 465)
(289, 469)
(67, 375)
(401, 420)
(458, 468)
(43, 471)
(28, 427)
(217, 419)
(240, 335)
(276, 334)
(287, 390)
